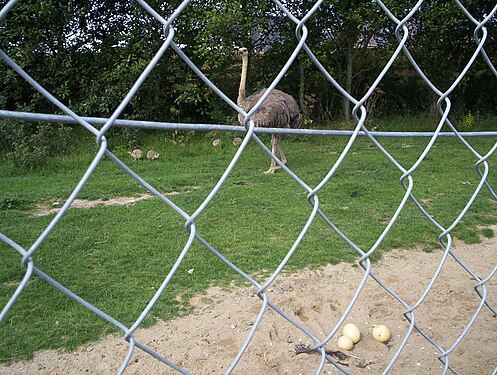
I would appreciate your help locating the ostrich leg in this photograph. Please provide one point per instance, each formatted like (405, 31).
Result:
(280, 149)
(275, 145)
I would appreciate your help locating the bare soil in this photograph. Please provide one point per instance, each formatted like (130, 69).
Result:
(207, 341)
(44, 210)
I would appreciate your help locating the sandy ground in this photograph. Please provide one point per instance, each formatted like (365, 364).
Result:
(207, 341)
(44, 210)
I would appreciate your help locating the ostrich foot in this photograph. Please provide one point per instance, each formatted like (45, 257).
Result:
(272, 170)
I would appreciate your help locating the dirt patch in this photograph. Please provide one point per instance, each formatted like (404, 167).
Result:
(207, 341)
(44, 210)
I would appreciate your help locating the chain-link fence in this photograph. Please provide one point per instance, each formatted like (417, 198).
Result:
(250, 134)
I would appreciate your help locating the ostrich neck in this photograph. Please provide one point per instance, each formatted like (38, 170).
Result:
(243, 80)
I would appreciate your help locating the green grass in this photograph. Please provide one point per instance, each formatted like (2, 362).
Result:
(464, 123)
(116, 257)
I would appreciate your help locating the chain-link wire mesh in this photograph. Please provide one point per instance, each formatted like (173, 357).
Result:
(359, 111)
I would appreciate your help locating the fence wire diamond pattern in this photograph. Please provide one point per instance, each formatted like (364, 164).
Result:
(250, 135)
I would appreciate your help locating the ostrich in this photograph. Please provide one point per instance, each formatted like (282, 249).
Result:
(279, 110)
(216, 143)
(136, 154)
(152, 155)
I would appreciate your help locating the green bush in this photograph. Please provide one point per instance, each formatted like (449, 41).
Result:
(8, 203)
(29, 145)
(468, 122)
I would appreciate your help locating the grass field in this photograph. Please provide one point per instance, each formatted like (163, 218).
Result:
(115, 257)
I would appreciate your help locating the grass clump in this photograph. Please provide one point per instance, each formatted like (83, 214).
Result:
(11, 203)
(487, 232)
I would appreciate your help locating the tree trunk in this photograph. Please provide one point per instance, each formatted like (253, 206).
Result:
(157, 96)
(433, 106)
(303, 107)
(348, 82)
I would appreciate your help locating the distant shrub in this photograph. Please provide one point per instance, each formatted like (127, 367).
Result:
(468, 122)
(29, 145)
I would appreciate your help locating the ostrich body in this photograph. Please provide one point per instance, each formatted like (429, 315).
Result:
(136, 154)
(279, 110)
(152, 155)
(216, 143)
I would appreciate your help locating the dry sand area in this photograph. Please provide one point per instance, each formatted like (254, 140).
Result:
(206, 341)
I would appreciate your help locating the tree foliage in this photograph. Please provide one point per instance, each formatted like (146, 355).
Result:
(89, 53)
